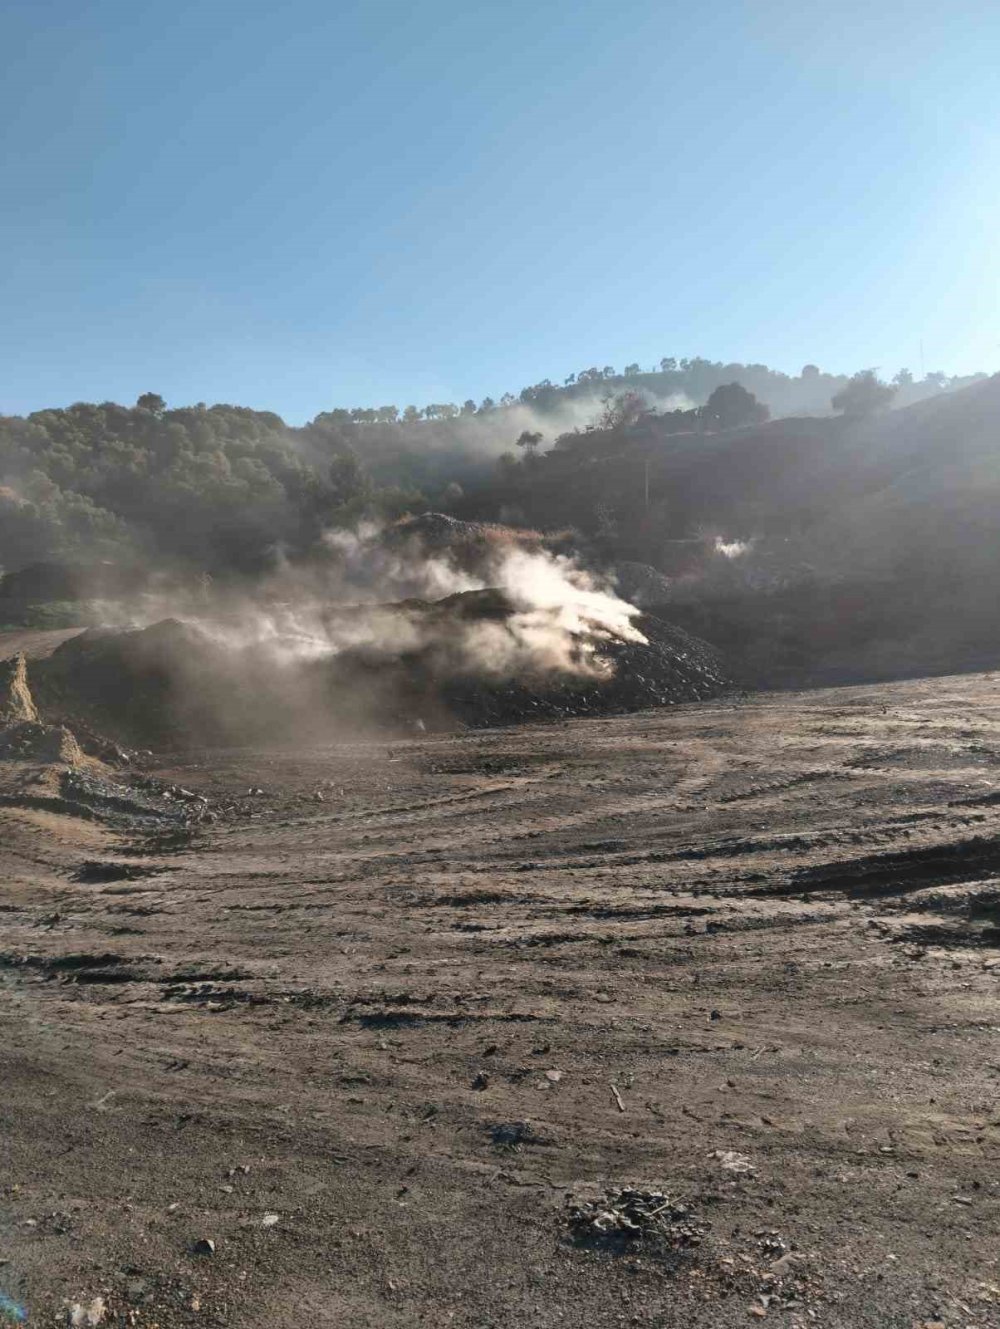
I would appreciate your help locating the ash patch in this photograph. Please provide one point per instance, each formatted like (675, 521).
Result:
(95, 871)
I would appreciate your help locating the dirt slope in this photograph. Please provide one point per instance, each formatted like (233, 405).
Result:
(376, 1044)
(35, 643)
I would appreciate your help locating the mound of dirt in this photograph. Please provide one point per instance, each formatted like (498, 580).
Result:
(41, 743)
(436, 531)
(23, 737)
(178, 684)
(154, 687)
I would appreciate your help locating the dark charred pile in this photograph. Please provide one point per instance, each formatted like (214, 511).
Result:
(673, 667)
(435, 682)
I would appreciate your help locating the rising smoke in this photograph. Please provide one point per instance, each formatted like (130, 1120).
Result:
(391, 595)
(395, 603)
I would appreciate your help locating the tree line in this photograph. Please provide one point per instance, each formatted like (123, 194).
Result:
(227, 489)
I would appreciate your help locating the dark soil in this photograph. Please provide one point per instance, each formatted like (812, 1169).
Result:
(426, 1032)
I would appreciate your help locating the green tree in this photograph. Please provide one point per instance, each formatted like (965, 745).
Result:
(731, 406)
(863, 394)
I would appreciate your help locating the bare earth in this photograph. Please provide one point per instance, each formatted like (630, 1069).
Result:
(375, 1045)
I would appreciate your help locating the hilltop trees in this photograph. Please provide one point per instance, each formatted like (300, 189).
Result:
(732, 406)
(221, 488)
(229, 489)
(864, 394)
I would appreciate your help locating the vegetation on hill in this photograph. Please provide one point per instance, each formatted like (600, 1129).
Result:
(228, 490)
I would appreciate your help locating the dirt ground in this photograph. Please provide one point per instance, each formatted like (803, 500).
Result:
(374, 1033)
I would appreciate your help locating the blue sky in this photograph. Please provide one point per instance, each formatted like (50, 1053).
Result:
(327, 203)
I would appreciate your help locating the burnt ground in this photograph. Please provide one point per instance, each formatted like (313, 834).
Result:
(382, 1032)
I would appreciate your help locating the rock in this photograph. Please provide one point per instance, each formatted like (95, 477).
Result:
(204, 1246)
(86, 1317)
(482, 1081)
(553, 1076)
(269, 1220)
(731, 1161)
(510, 1134)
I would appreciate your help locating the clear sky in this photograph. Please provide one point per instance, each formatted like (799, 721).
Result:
(324, 202)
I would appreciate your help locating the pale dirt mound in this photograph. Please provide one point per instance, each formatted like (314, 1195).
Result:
(23, 736)
(16, 703)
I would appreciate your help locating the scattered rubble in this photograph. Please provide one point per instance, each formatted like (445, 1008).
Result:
(624, 1217)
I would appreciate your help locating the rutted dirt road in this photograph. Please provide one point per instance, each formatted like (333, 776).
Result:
(373, 1036)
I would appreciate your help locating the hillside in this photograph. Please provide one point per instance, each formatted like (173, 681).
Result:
(801, 544)
(807, 546)
(221, 488)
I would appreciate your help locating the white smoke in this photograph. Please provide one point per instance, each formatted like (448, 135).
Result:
(732, 548)
(537, 614)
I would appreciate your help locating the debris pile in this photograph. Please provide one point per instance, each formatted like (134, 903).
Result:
(440, 682)
(622, 1218)
(669, 668)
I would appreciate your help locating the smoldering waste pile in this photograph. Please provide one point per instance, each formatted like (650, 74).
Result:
(425, 664)
(611, 673)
